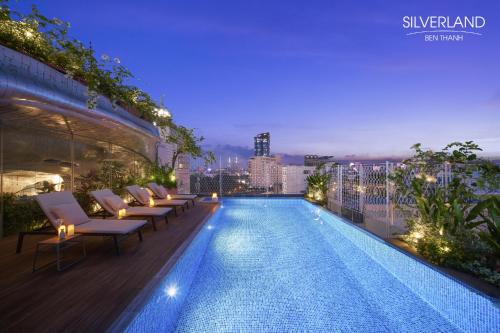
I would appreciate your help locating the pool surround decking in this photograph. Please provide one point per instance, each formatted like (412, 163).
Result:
(90, 296)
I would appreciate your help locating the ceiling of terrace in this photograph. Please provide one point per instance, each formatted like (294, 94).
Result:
(34, 95)
(32, 115)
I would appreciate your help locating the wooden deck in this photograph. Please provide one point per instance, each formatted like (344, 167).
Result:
(90, 296)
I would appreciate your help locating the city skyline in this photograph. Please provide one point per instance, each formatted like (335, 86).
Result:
(237, 69)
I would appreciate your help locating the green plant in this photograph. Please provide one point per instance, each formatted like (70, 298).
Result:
(21, 214)
(317, 184)
(487, 212)
(187, 143)
(159, 174)
(450, 222)
(479, 269)
(48, 41)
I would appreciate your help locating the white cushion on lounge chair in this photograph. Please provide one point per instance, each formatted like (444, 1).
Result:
(177, 196)
(98, 226)
(48, 200)
(115, 202)
(162, 191)
(143, 195)
(147, 211)
(70, 213)
(102, 196)
(171, 202)
(156, 190)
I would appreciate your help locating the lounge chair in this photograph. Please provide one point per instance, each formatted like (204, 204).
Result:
(143, 197)
(63, 205)
(112, 203)
(161, 192)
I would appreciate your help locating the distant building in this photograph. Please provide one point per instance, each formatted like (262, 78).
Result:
(264, 172)
(262, 144)
(293, 178)
(315, 160)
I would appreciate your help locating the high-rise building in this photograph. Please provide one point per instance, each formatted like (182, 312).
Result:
(294, 178)
(315, 160)
(264, 172)
(262, 144)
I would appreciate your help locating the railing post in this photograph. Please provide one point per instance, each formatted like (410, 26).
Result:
(361, 189)
(220, 176)
(341, 186)
(387, 200)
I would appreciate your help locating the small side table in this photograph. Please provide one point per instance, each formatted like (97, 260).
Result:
(60, 245)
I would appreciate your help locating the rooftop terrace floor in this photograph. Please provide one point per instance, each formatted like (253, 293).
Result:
(90, 296)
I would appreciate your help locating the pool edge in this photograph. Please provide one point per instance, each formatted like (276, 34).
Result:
(133, 308)
(493, 299)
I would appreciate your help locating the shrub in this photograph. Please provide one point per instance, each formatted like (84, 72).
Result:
(450, 223)
(21, 214)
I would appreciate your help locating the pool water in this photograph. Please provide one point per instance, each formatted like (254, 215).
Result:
(284, 265)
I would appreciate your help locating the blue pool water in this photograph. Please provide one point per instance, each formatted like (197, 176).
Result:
(283, 265)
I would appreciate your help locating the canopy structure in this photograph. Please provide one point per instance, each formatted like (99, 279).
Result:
(34, 95)
(50, 140)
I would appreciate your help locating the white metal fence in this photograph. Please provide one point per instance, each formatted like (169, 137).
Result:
(364, 193)
(360, 192)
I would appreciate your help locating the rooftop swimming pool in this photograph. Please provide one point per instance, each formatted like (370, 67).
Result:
(284, 265)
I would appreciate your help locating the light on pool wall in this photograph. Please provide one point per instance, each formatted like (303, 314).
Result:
(171, 291)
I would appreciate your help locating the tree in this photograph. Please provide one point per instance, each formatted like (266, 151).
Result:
(188, 143)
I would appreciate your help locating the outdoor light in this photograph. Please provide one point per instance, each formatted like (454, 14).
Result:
(71, 230)
(172, 178)
(61, 231)
(210, 227)
(151, 202)
(430, 179)
(122, 213)
(214, 196)
(163, 112)
(169, 197)
(172, 291)
(417, 235)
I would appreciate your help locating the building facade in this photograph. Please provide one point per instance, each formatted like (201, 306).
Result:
(183, 174)
(315, 160)
(51, 141)
(264, 173)
(262, 143)
(294, 178)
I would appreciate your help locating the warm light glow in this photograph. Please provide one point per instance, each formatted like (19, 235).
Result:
(122, 213)
(57, 180)
(71, 230)
(318, 195)
(171, 291)
(172, 177)
(430, 179)
(417, 235)
(169, 197)
(163, 112)
(214, 196)
(151, 202)
(61, 232)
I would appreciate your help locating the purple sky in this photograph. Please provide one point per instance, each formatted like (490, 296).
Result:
(326, 77)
